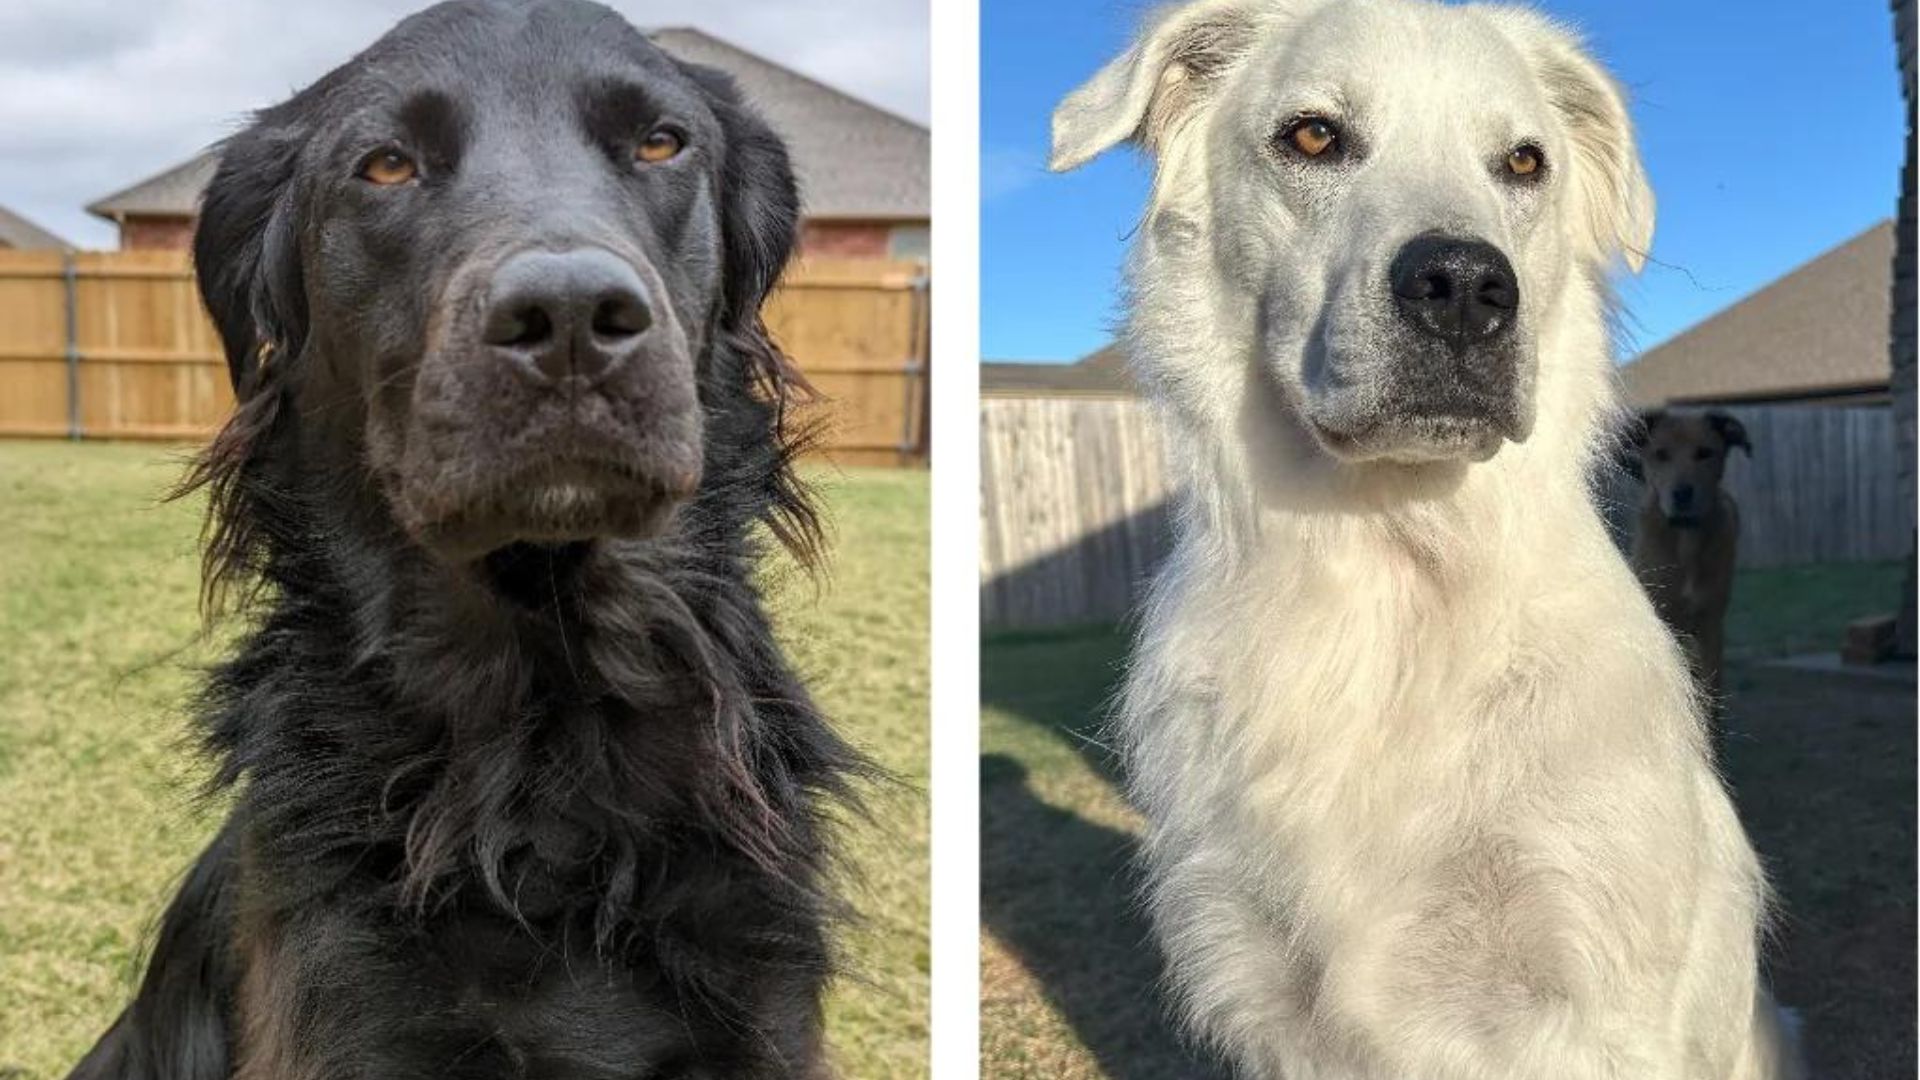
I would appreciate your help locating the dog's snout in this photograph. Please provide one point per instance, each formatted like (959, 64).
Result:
(1461, 291)
(575, 313)
(1682, 496)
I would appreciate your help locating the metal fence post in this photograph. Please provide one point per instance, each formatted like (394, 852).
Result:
(71, 275)
(916, 368)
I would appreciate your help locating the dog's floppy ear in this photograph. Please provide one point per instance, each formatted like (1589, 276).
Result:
(1615, 202)
(759, 201)
(247, 257)
(245, 250)
(1731, 431)
(760, 224)
(1639, 430)
(1642, 428)
(1149, 88)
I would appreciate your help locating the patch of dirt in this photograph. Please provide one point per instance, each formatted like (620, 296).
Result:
(1822, 768)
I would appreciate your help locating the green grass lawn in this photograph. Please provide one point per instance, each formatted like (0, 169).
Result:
(1796, 609)
(99, 646)
(1823, 769)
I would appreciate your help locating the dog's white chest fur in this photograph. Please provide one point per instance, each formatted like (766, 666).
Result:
(1409, 823)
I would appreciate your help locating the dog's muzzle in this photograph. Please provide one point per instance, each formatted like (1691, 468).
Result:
(1453, 388)
(1684, 509)
(562, 407)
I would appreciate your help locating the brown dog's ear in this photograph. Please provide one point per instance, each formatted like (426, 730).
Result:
(1634, 441)
(1731, 431)
(1643, 426)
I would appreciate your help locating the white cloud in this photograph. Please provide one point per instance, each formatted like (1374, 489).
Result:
(98, 94)
(1006, 169)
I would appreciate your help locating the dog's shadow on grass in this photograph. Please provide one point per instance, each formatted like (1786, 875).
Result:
(1059, 889)
(1059, 892)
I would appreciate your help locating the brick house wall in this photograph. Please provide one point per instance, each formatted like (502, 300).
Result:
(156, 233)
(845, 239)
(864, 239)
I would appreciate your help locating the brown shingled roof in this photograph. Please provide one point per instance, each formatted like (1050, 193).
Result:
(19, 234)
(854, 160)
(1819, 331)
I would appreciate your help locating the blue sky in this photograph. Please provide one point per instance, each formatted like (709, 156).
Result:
(1772, 132)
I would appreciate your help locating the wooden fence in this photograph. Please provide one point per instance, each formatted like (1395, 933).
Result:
(115, 345)
(1074, 502)
(1822, 485)
(1073, 508)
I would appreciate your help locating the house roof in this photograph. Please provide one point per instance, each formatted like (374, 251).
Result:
(854, 160)
(173, 193)
(20, 234)
(1820, 330)
(1098, 374)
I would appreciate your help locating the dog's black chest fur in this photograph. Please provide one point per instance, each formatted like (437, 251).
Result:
(545, 874)
(472, 991)
(579, 842)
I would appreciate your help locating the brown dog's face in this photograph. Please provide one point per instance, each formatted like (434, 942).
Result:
(1682, 460)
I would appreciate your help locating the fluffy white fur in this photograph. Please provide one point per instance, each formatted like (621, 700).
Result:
(1428, 795)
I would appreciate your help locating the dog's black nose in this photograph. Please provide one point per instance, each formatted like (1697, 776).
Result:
(1683, 496)
(1460, 291)
(566, 313)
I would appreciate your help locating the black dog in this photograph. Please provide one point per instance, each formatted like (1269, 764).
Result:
(524, 786)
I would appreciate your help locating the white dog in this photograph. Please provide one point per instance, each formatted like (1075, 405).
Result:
(1427, 788)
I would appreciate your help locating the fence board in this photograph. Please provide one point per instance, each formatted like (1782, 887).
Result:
(33, 338)
(1074, 500)
(149, 364)
(857, 328)
(1073, 508)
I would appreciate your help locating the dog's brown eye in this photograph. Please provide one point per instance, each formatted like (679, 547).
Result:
(660, 144)
(1525, 160)
(1311, 136)
(387, 168)
(1661, 456)
(1702, 453)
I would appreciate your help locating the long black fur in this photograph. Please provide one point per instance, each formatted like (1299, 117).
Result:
(571, 824)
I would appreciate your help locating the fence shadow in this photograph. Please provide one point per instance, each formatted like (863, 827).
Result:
(1094, 579)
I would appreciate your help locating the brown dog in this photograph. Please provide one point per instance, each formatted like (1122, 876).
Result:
(1689, 531)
